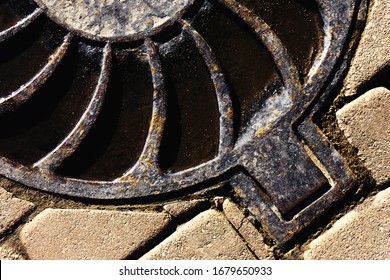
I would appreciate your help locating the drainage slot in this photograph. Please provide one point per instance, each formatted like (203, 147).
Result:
(244, 60)
(297, 23)
(38, 126)
(11, 11)
(22, 56)
(117, 138)
(192, 127)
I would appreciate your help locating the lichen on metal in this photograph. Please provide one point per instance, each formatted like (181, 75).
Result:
(280, 166)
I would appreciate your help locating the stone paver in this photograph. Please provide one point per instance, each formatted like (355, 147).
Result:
(208, 236)
(373, 52)
(11, 210)
(183, 208)
(250, 234)
(90, 234)
(363, 233)
(366, 124)
(7, 254)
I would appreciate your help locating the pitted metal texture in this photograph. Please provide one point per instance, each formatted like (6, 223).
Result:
(114, 20)
(278, 164)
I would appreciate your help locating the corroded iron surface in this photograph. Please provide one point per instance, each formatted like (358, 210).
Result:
(114, 20)
(278, 163)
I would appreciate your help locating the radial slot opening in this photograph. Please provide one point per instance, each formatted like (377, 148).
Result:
(38, 126)
(22, 56)
(116, 140)
(297, 23)
(244, 60)
(192, 125)
(11, 11)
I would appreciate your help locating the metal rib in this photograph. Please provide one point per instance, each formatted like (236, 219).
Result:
(225, 105)
(26, 91)
(274, 45)
(4, 35)
(148, 161)
(51, 161)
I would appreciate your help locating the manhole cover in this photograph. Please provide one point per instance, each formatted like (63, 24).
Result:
(126, 99)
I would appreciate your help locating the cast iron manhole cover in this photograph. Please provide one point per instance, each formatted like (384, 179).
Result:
(127, 99)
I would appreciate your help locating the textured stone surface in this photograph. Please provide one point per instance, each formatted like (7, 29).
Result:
(11, 210)
(90, 234)
(366, 124)
(208, 236)
(111, 18)
(250, 234)
(373, 52)
(182, 208)
(7, 254)
(363, 233)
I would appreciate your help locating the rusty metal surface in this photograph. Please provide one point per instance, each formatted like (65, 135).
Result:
(279, 165)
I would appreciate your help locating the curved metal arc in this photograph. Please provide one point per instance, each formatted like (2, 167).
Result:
(93, 189)
(222, 92)
(288, 70)
(336, 25)
(26, 91)
(20, 25)
(148, 160)
(67, 147)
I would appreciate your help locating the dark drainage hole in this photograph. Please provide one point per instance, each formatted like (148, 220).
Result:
(11, 11)
(192, 127)
(23, 55)
(244, 60)
(31, 131)
(118, 136)
(297, 23)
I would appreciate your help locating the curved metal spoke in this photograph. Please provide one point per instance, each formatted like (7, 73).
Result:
(20, 25)
(51, 161)
(26, 91)
(225, 105)
(148, 161)
(274, 45)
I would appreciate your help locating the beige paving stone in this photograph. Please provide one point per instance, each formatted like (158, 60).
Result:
(373, 53)
(90, 234)
(366, 124)
(7, 254)
(11, 210)
(362, 234)
(250, 234)
(208, 236)
(179, 209)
